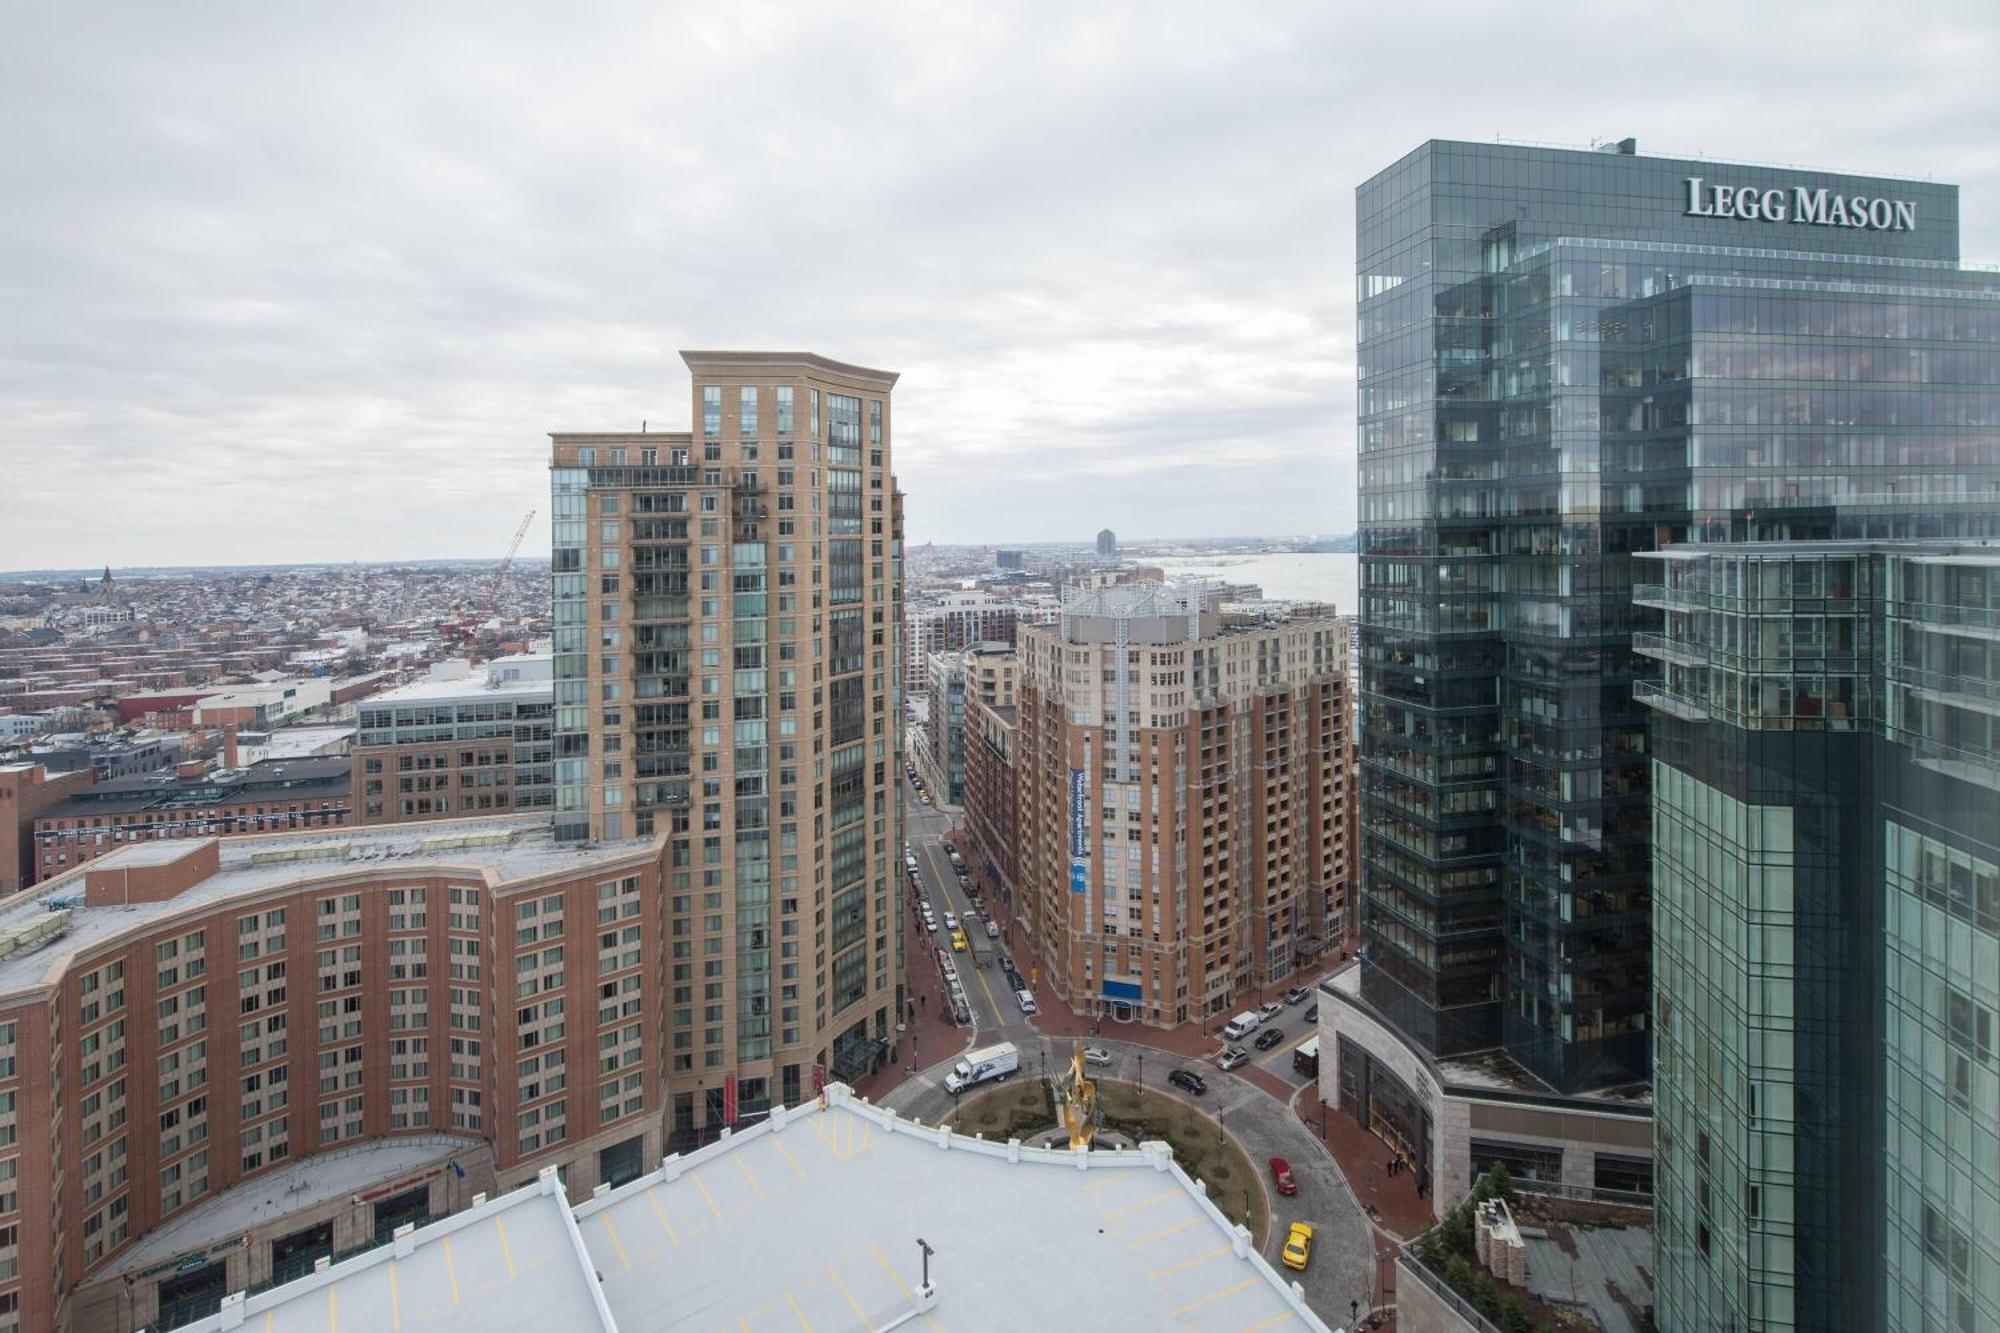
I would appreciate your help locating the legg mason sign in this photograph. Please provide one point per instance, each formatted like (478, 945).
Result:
(1819, 207)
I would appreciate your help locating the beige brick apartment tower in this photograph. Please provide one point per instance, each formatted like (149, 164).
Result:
(1182, 799)
(727, 604)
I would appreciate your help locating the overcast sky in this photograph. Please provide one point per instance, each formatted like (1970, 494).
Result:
(312, 282)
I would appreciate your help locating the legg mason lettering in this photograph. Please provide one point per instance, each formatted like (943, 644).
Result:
(1819, 207)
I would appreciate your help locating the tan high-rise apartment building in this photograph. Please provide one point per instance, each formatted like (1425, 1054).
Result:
(1183, 798)
(727, 607)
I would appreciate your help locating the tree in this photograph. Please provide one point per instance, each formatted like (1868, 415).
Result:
(1500, 1183)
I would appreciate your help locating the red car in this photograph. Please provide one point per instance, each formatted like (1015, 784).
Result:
(1281, 1173)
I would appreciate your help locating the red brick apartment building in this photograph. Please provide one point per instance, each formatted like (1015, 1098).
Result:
(276, 796)
(380, 1025)
(1184, 802)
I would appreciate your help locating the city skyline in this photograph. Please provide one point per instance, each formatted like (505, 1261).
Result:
(321, 285)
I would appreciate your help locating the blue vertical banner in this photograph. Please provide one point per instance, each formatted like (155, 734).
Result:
(1079, 814)
(1079, 876)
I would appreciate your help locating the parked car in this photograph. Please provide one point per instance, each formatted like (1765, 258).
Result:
(1231, 1057)
(1298, 1245)
(1269, 1038)
(1026, 999)
(1269, 1011)
(1296, 994)
(951, 921)
(1189, 1080)
(1096, 1055)
(1281, 1176)
(1312, 1013)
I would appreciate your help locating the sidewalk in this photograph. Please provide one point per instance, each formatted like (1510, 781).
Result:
(927, 1038)
(1399, 1211)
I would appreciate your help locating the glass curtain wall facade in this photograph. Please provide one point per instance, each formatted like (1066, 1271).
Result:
(1826, 846)
(1567, 358)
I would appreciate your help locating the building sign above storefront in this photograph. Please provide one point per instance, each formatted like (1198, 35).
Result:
(1818, 207)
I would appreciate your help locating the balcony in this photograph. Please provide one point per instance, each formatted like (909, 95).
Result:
(1655, 696)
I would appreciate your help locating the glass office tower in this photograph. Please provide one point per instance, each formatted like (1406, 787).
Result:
(1826, 875)
(1567, 358)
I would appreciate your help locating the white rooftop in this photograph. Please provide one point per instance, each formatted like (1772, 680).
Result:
(510, 847)
(298, 743)
(510, 1265)
(528, 674)
(810, 1219)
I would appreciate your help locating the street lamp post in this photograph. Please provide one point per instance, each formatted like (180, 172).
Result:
(924, 1247)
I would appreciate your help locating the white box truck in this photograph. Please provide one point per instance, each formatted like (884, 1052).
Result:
(984, 1065)
(1241, 1026)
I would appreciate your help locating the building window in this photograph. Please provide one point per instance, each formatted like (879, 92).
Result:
(711, 410)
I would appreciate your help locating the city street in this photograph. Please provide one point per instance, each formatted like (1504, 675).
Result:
(1263, 1124)
(1253, 1103)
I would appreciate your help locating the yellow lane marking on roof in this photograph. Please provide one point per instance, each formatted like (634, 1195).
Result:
(616, 1244)
(743, 1323)
(852, 1304)
(707, 1198)
(506, 1250)
(790, 1160)
(1146, 1202)
(450, 1267)
(1163, 1233)
(744, 1167)
(333, 1308)
(660, 1211)
(1218, 1294)
(1192, 1261)
(1115, 1178)
(888, 1268)
(395, 1298)
(798, 1313)
(1282, 1317)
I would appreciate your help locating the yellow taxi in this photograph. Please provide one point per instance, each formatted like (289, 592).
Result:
(958, 944)
(1298, 1245)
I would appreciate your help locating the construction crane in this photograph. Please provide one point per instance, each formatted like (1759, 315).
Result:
(467, 629)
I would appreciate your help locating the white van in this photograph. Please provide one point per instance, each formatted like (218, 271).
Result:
(1241, 1026)
(1026, 999)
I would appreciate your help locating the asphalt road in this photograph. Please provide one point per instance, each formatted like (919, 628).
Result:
(994, 1012)
(1344, 1242)
(1343, 1249)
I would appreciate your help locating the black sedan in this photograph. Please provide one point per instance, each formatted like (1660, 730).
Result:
(1269, 1038)
(1189, 1080)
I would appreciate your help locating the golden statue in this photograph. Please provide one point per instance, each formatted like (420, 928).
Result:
(1079, 1099)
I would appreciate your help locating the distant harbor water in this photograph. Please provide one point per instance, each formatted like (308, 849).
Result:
(1320, 576)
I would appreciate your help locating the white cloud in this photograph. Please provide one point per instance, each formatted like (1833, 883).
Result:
(313, 283)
